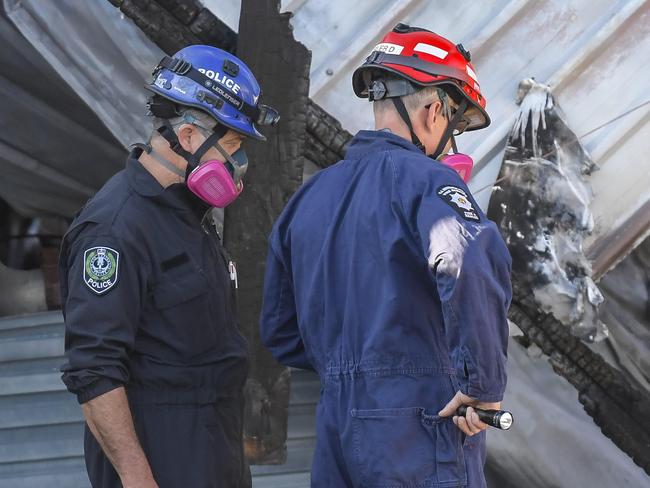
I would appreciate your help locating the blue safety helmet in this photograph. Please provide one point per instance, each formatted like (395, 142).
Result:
(214, 81)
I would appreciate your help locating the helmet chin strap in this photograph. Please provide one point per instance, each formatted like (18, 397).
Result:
(193, 159)
(403, 113)
(446, 135)
(449, 131)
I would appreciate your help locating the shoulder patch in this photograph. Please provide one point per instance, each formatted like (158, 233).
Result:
(101, 265)
(458, 199)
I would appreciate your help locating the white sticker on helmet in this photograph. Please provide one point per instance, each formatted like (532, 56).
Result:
(433, 50)
(470, 72)
(388, 47)
(221, 78)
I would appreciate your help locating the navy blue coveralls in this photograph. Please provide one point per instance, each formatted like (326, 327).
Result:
(149, 305)
(385, 277)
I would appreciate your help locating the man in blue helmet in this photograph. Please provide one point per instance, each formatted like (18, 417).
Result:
(385, 277)
(154, 352)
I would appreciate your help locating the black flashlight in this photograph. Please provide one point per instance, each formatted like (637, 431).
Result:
(501, 419)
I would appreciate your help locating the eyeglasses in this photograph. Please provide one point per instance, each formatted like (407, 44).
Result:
(462, 124)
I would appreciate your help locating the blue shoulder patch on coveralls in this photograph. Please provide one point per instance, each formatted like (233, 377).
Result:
(149, 305)
(385, 277)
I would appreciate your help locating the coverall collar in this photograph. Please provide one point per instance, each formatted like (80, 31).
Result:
(176, 195)
(367, 141)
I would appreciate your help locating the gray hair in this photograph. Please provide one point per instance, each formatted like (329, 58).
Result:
(418, 99)
(186, 116)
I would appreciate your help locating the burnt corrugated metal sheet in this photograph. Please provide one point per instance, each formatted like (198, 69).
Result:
(41, 425)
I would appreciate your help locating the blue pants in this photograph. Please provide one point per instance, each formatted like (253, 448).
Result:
(383, 432)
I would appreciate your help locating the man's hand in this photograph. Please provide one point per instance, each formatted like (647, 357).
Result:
(470, 424)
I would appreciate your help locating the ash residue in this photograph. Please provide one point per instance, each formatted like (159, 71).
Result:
(544, 212)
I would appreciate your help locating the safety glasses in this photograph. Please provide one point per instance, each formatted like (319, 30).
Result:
(462, 124)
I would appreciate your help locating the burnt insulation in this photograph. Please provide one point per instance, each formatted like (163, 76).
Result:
(542, 210)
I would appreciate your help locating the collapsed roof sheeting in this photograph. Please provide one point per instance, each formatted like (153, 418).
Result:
(42, 172)
(553, 443)
(586, 50)
(104, 58)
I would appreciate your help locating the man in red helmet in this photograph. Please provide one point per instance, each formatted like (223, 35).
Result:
(386, 278)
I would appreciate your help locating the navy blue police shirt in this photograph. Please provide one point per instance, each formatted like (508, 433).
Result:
(147, 295)
(384, 261)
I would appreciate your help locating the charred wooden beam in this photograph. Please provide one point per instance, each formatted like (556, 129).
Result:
(616, 407)
(267, 46)
(174, 24)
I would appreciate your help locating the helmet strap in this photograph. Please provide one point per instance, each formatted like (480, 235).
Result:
(449, 131)
(193, 160)
(403, 113)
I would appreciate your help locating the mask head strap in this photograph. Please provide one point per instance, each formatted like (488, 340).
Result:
(193, 160)
(138, 146)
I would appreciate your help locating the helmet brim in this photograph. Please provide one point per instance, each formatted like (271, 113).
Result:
(254, 133)
(477, 116)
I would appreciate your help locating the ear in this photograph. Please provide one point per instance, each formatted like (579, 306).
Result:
(434, 112)
(187, 134)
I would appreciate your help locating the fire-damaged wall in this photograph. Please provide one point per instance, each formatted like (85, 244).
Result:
(542, 209)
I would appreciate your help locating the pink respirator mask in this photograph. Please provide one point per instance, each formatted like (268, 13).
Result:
(219, 183)
(461, 163)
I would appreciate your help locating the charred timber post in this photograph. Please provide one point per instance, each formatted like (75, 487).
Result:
(267, 46)
(174, 24)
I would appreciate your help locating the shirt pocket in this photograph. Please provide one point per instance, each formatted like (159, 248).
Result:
(185, 320)
(407, 448)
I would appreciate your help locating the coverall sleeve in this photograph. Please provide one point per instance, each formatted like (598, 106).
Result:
(471, 267)
(278, 323)
(100, 320)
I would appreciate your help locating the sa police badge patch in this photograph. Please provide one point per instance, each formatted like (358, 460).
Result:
(457, 199)
(100, 268)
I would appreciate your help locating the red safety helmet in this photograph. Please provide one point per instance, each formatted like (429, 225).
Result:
(423, 58)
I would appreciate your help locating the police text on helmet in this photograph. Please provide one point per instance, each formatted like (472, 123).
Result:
(221, 78)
